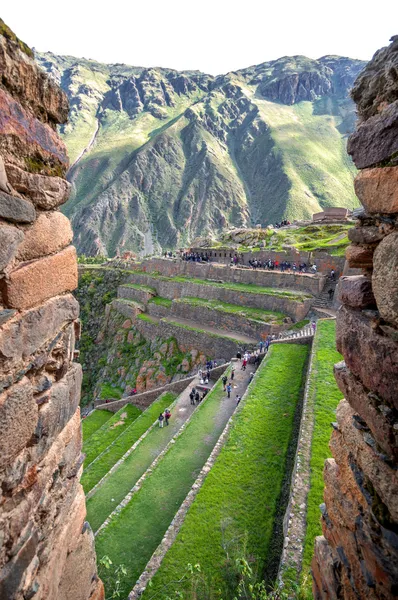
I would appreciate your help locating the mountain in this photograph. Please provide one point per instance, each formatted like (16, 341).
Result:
(159, 157)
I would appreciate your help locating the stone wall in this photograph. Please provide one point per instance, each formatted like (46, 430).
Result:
(295, 309)
(46, 548)
(324, 261)
(357, 557)
(312, 284)
(213, 346)
(214, 318)
(146, 398)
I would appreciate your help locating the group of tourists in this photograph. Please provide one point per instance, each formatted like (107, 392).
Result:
(195, 396)
(164, 417)
(283, 223)
(195, 256)
(275, 265)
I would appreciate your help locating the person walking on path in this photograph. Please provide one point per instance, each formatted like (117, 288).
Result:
(197, 397)
(331, 293)
(244, 363)
(261, 346)
(238, 399)
(161, 419)
(167, 415)
(232, 373)
(229, 389)
(239, 356)
(192, 397)
(224, 381)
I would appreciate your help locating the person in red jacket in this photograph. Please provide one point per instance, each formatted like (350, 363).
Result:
(167, 415)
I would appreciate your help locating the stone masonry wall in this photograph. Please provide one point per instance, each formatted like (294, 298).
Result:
(312, 284)
(215, 347)
(323, 260)
(295, 309)
(218, 319)
(357, 556)
(46, 548)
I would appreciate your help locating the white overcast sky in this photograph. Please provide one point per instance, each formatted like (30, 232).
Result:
(215, 36)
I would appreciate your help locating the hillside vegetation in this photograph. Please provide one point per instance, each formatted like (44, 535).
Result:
(160, 156)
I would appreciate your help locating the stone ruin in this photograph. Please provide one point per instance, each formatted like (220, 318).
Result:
(357, 556)
(46, 548)
(331, 215)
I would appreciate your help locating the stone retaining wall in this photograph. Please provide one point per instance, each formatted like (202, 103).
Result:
(145, 399)
(223, 320)
(357, 556)
(323, 260)
(211, 345)
(312, 284)
(296, 310)
(46, 548)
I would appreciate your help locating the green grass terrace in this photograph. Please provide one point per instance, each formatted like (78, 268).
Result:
(254, 314)
(238, 287)
(239, 509)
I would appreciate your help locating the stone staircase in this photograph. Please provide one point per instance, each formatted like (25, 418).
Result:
(322, 301)
(303, 335)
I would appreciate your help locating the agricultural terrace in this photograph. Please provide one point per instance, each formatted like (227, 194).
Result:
(324, 396)
(239, 509)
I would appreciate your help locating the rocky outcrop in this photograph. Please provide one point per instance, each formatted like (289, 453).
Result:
(46, 547)
(200, 153)
(357, 556)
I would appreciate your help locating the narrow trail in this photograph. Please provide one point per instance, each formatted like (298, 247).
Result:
(133, 534)
(87, 148)
(120, 483)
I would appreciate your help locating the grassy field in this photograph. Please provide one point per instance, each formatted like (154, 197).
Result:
(97, 470)
(160, 301)
(255, 314)
(93, 422)
(134, 534)
(234, 513)
(324, 396)
(138, 286)
(111, 429)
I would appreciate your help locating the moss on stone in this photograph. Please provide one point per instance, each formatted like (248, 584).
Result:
(10, 35)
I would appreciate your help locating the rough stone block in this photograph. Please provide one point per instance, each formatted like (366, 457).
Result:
(378, 417)
(10, 239)
(376, 85)
(21, 336)
(41, 279)
(356, 291)
(325, 582)
(385, 278)
(383, 476)
(377, 189)
(25, 80)
(50, 233)
(365, 235)
(369, 354)
(16, 210)
(18, 417)
(359, 257)
(375, 140)
(41, 140)
(11, 576)
(63, 401)
(77, 576)
(45, 192)
(4, 185)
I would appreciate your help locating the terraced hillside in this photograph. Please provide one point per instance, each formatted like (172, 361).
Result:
(134, 503)
(160, 157)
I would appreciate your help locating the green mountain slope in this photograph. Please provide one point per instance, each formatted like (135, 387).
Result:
(159, 157)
